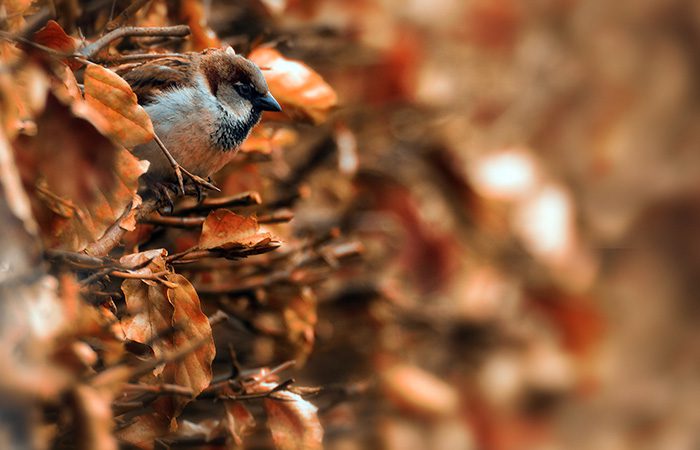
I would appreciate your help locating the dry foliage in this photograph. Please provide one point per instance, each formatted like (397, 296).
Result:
(472, 226)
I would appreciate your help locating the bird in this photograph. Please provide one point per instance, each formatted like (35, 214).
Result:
(202, 106)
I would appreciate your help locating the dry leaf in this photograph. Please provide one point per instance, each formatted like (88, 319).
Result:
(153, 314)
(300, 90)
(300, 319)
(144, 430)
(192, 12)
(93, 419)
(225, 229)
(419, 391)
(122, 118)
(237, 421)
(194, 370)
(76, 210)
(265, 140)
(293, 422)
(53, 36)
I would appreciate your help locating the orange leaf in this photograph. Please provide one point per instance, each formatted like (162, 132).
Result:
(225, 229)
(53, 36)
(419, 391)
(194, 370)
(93, 419)
(144, 430)
(302, 92)
(122, 118)
(293, 422)
(203, 37)
(74, 211)
(238, 420)
(265, 140)
(153, 313)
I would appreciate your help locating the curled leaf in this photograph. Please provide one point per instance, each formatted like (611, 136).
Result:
(302, 92)
(419, 391)
(117, 113)
(75, 211)
(225, 229)
(53, 36)
(293, 422)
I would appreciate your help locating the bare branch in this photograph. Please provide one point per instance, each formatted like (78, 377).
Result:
(175, 31)
(248, 198)
(125, 15)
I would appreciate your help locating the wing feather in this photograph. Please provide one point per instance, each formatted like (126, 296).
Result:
(152, 78)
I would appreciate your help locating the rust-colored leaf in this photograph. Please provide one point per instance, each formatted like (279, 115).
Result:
(144, 430)
(203, 37)
(93, 419)
(194, 370)
(293, 422)
(53, 36)
(225, 229)
(159, 307)
(419, 391)
(302, 92)
(122, 118)
(237, 421)
(152, 313)
(300, 319)
(74, 211)
(265, 140)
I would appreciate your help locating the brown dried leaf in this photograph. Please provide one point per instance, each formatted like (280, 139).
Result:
(300, 319)
(74, 211)
(154, 314)
(194, 370)
(237, 421)
(225, 229)
(122, 118)
(53, 36)
(159, 308)
(93, 419)
(144, 430)
(301, 91)
(293, 422)
(14, 12)
(265, 140)
(419, 391)
(203, 37)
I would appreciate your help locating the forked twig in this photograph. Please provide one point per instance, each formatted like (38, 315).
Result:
(125, 15)
(175, 31)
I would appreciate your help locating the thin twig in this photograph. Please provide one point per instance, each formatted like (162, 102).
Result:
(280, 387)
(169, 389)
(248, 198)
(139, 276)
(176, 222)
(125, 15)
(175, 31)
(121, 59)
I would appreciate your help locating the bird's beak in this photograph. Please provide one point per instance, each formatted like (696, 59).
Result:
(268, 103)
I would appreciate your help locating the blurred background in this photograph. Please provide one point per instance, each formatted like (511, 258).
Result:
(524, 175)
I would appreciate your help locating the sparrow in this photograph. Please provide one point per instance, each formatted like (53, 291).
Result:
(202, 106)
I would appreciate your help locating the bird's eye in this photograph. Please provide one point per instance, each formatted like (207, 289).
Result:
(244, 89)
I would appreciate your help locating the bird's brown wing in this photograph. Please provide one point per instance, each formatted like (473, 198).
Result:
(150, 79)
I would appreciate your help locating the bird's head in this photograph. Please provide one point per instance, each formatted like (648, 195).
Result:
(237, 82)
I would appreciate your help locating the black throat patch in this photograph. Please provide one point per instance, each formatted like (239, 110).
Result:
(233, 131)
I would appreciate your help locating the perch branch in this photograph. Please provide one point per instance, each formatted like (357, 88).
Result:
(91, 50)
(125, 15)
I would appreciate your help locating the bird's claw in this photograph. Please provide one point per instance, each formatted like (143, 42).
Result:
(163, 191)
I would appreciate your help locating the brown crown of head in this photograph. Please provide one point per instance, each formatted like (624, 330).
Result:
(223, 65)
